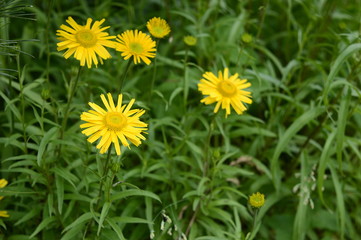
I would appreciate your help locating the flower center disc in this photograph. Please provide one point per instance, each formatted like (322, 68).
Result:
(115, 120)
(158, 30)
(136, 47)
(86, 38)
(227, 89)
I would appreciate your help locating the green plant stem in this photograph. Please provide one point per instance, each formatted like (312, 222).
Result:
(22, 103)
(73, 86)
(185, 83)
(104, 177)
(205, 170)
(124, 76)
(154, 71)
(47, 32)
(254, 224)
(263, 15)
(207, 146)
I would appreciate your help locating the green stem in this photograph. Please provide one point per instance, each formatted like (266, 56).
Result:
(73, 86)
(47, 32)
(263, 15)
(185, 83)
(104, 177)
(254, 225)
(22, 102)
(207, 146)
(154, 70)
(124, 76)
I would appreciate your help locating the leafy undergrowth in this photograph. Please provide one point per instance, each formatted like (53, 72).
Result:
(298, 143)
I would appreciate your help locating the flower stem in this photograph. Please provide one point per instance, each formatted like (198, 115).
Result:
(251, 236)
(104, 177)
(185, 83)
(154, 71)
(207, 146)
(22, 102)
(124, 76)
(73, 86)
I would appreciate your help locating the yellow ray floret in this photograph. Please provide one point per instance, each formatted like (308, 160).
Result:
(113, 124)
(225, 91)
(158, 27)
(87, 43)
(3, 183)
(136, 44)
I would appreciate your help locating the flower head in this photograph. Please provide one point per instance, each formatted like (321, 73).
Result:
(85, 42)
(136, 44)
(190, 40)
(158, 27)
(3, 183)
(113, 124)
(226, 91)
(256, 200)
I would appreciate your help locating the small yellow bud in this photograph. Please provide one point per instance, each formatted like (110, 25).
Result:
(190, 40)
(256, 200)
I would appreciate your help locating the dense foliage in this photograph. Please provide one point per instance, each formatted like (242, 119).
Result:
(298, 143)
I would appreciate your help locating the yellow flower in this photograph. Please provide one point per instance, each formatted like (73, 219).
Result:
(136, 44)
(116, 122)
(85, 42)
(158, 27)
(3, 183)
(226, 91)
(190, 40)
(256, 200)
(4, 214)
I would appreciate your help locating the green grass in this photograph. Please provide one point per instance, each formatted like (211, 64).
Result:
(298, 143)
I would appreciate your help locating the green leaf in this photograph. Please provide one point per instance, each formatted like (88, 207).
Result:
(59, 183)
(29, 215)
(47, 221)
(341, 210)
(325, 156)
(186, 15)
(103, 215)
(116, 228)
(44, 142)
(134, 192)
(336, 66)
(174, 94)
(341, 124)
(284, 140)
(73, 232)
(66, 175)
(79, 221)
(11, 105)
(300, 223)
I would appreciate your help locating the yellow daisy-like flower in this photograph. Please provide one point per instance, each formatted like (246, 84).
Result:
(116, 122)
(190, 40)
(257, 200)
(136, 44)
(85, 42)
(4, 214)
(158, 27)
(3, 183)
(226, 91)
